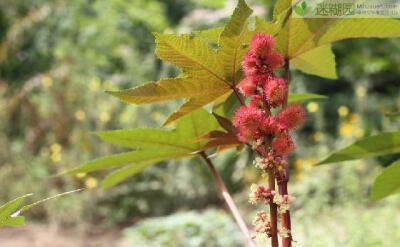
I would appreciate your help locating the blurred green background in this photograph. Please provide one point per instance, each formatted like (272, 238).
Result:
(56, 59)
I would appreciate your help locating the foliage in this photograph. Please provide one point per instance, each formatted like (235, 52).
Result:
(177, 143)
(208, 228)
(71, 36)
(204, 80)
(10, 215)
(385, 143)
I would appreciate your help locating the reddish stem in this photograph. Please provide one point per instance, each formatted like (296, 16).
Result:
(229, 201)
(284, 178)
(237, 93)
(273, 208)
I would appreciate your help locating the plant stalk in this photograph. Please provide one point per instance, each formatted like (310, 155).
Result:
(283, 182)
(229, 201)
(273, 208)
(237, 93)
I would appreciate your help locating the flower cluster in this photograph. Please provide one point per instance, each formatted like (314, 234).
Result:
(258, 193)
(267, 133)
(255, 122)
(283, 202)
(262, 224)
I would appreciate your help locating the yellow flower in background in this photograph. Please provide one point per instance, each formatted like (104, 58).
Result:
(55, 147)
(105, 117)
(56, 157)
(94, 84)
(80, 115)
(343, 111)
(91, 183)
(312, 107)
(361, 91)
(47, 81)
(80, 175)
(346, 129)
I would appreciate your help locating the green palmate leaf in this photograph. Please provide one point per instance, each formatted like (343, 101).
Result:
(192, 55)
(208, 74)
(121, 159)
(231, 41)
(385, 143)
(319, 61)
(193, 104)
(210, 35)
(171, 88)
(387, 183)
(151, 146)
(262, 26)
(300, 36)
(122, 174)
(294, 98)
(280, 7)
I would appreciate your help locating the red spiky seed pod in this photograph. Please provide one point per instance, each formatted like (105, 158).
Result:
(261, 44)
(247, 120)
(283, 146)
(274, 61)
(292, 116)
(275, 91)
(247, 87)
(250, 64)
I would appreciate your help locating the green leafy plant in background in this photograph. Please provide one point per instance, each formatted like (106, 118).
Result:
(388, 182)
(10, 212)
(210, 77)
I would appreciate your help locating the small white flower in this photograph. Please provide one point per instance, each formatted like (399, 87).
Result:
(252, 196)
(278, 199)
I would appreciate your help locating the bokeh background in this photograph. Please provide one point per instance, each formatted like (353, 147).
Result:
(58, 56)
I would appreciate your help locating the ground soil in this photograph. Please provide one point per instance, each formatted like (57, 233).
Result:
(50, 236)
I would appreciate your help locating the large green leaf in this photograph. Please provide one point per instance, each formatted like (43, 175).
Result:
(208, 74)
(385, 143)
(171, 88)
(122, 174)
(195, 57)
(298, 37)
(387, 183)
(298, 97)
(319, 61)
(211, 35)
(193, 104)
(231, 41)
(151, 146)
